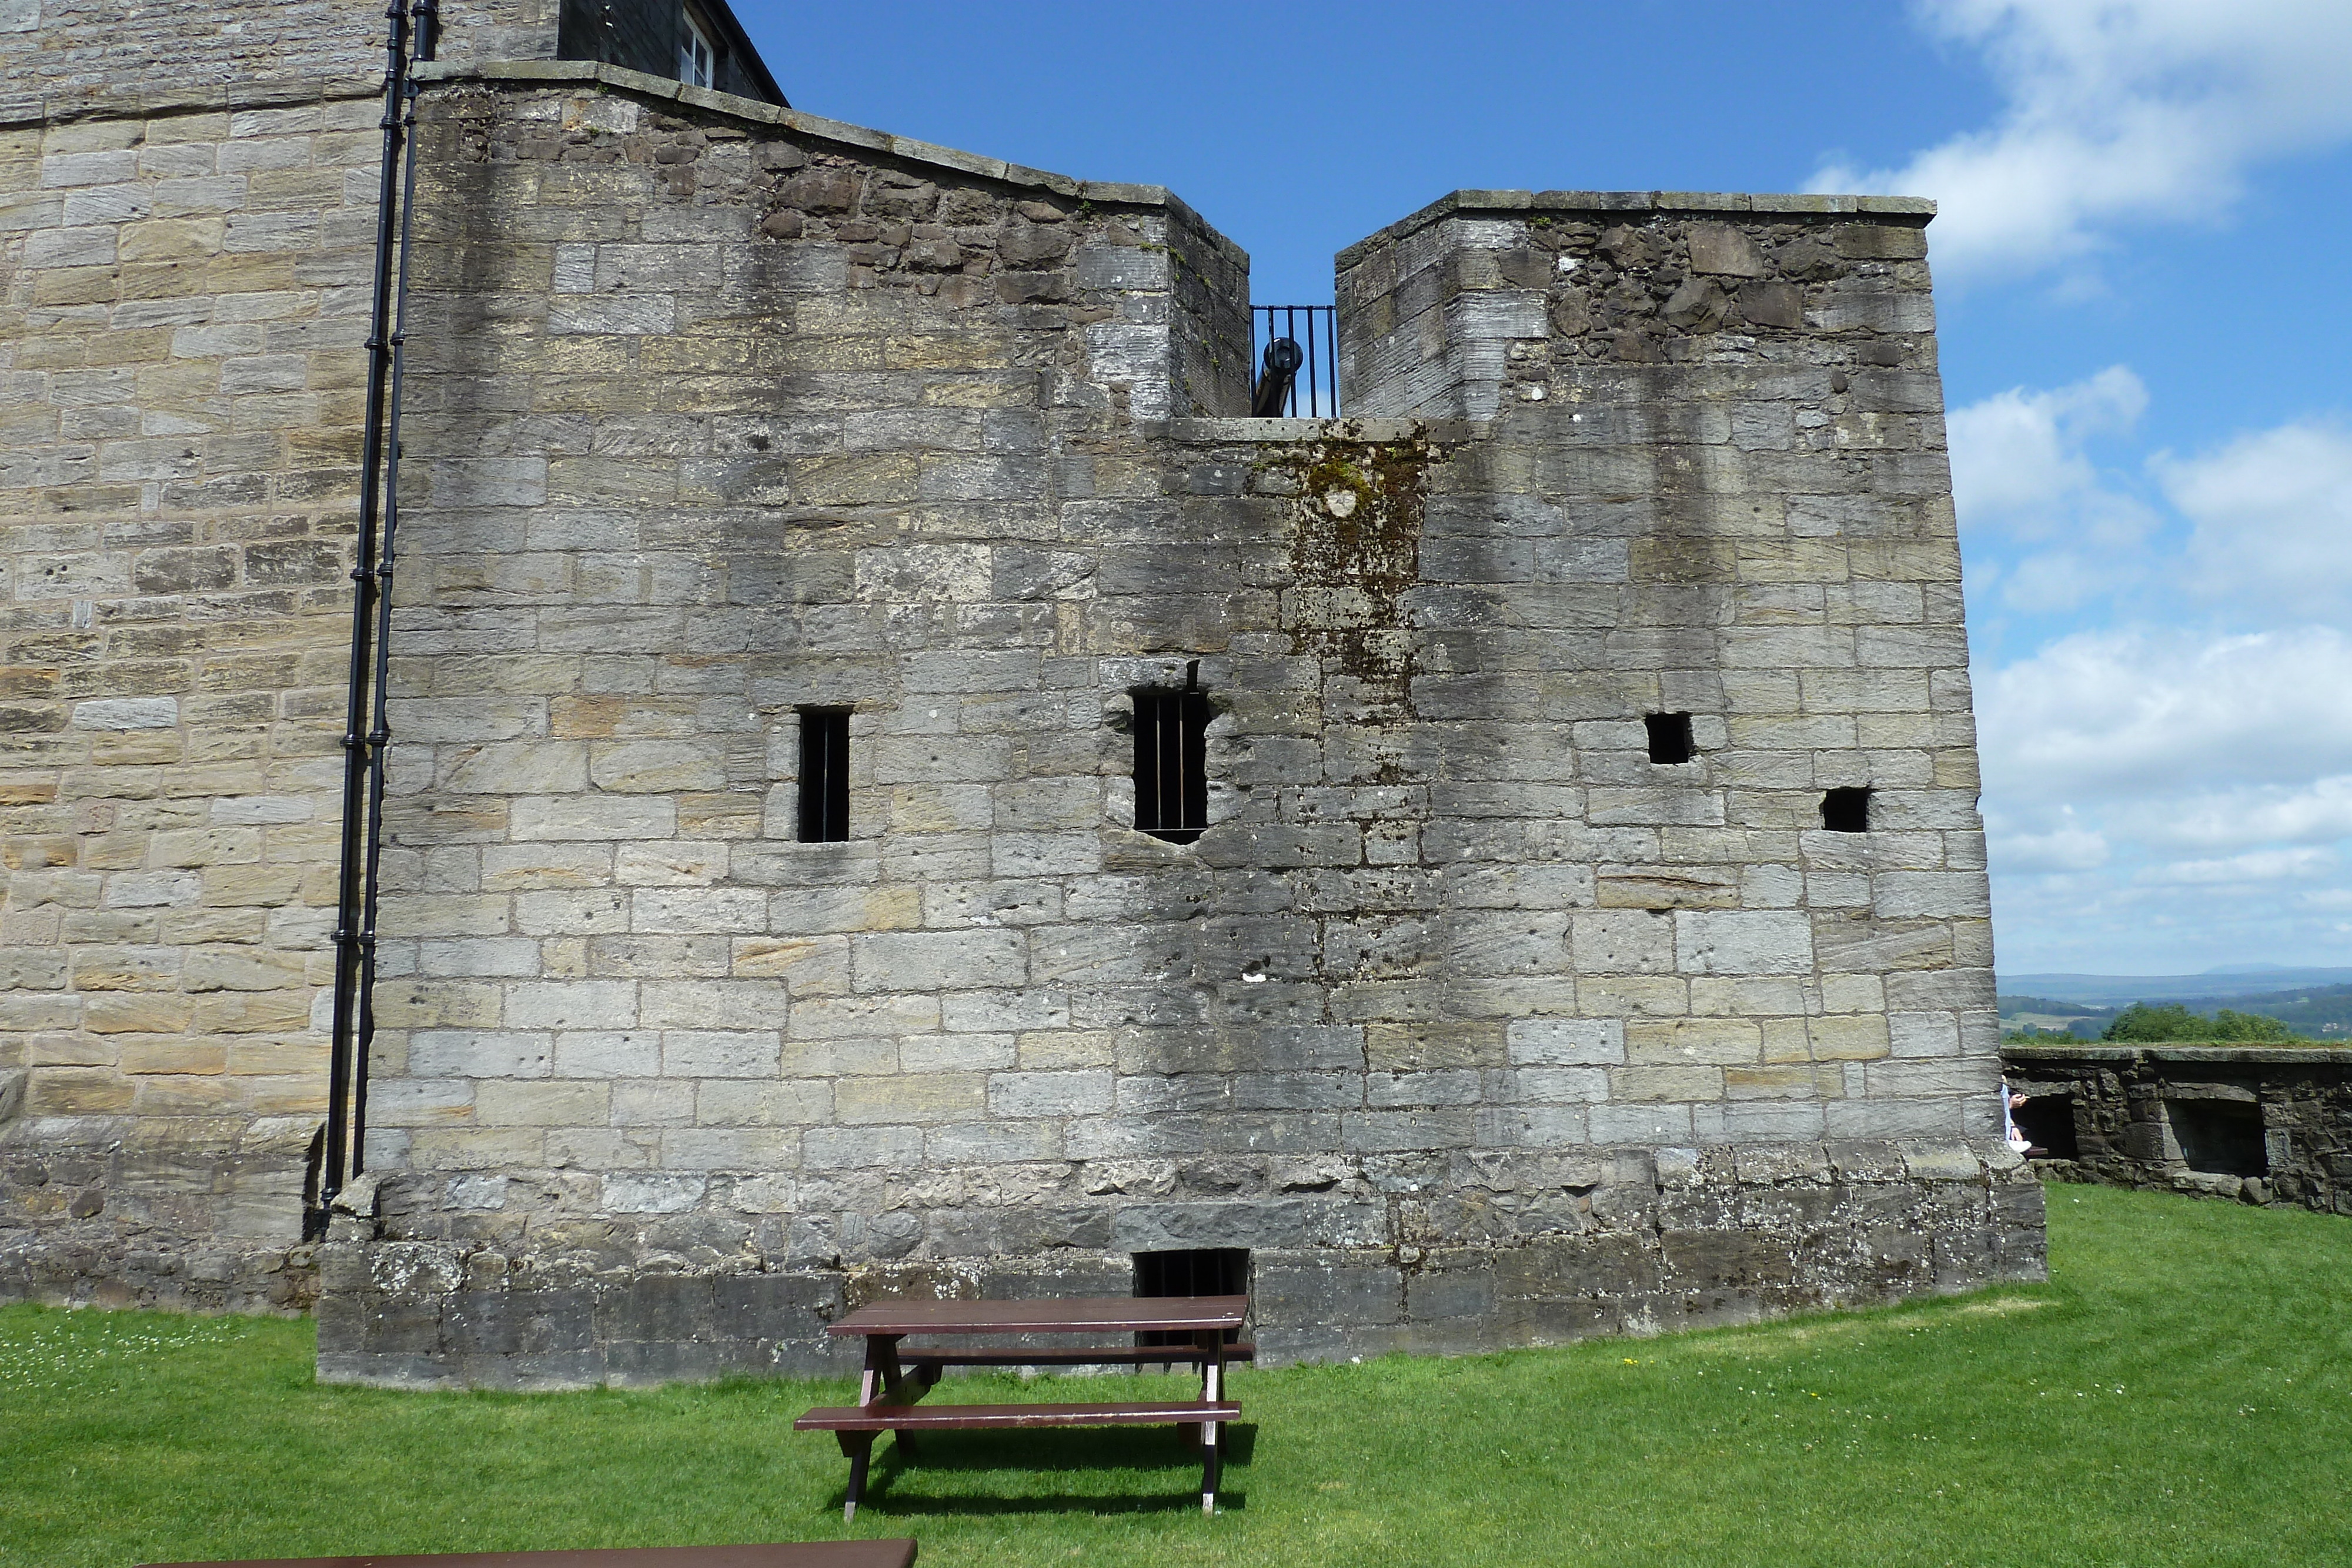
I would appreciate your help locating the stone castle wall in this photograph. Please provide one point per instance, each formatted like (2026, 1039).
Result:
(187, 213)
(1475, 1026)
(74, 57)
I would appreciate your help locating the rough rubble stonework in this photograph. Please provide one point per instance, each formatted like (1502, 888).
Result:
(1477, 1027)
(2276, 1121)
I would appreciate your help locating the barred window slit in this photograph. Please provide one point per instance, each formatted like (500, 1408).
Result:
(1171, 778)
(824, 775)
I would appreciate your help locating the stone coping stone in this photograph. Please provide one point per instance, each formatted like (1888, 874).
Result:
(2250, 1054)
(841, 133)
(1219, 432)
(1481, 204)
(22, 108)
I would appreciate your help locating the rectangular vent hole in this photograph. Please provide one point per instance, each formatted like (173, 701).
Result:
(1194, 1271)
(1846, 810)
(1669, 738)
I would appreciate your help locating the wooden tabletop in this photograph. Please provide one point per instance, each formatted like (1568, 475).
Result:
(780, 1555)
(1069, 1314)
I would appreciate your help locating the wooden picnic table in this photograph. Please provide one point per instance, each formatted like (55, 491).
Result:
(773, 1554)
(895, 1375)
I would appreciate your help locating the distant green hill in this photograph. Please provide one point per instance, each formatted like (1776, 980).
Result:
(2053, 1016)
(2321, 1014)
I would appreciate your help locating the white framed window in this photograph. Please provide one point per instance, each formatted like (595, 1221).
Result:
(694, 54)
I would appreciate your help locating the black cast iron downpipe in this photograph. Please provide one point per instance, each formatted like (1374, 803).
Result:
(364, 743)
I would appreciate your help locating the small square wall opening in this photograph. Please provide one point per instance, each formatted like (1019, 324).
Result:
(1194, 1271)
(1670, 736)
(1846, 810)
(2220, 1137)
(2049, 1121)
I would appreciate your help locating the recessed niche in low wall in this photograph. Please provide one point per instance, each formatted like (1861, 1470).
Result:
(2221, 1137)
(1192, 1271)
(2049, 1121)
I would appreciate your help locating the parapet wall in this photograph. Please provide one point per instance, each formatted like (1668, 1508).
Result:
(2261, 1124)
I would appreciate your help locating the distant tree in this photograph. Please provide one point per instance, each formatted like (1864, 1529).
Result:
(2173, 1024)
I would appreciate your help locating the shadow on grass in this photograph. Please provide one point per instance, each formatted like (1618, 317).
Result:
(1147, 1448)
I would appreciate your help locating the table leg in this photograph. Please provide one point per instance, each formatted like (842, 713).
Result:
(895, 1390)
(859, 1447)
(1209, 1466)
(880, 1375)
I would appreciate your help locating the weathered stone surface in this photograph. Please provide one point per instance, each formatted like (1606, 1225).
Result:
(2270, 1125)
(1460, 1009)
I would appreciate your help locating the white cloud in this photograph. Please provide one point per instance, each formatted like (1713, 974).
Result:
(2069, 847)
(2177, 796)
(2119, 111)
(2149, 714)
(2257, 866)
(2272, 517)
(2021, 468)
(2018, 458)
(2318, 812)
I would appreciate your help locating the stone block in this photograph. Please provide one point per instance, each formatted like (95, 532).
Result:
(715, 1004)
(1743, 942)
(911, 1098)
(1027, 1094)
(720, 1053)
(571, 1004)
(938, 961)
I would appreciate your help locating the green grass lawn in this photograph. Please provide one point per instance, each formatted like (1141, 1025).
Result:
(2178, 1394)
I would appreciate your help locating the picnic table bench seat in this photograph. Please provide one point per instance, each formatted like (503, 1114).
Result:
(771, 1554)
(953, 1417)
(1066, 1356)
(856, 1425)
(895, 1375)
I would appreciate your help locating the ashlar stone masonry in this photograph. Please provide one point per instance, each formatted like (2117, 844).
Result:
(187, 208)
(1471, 1022)
(1473, 1025)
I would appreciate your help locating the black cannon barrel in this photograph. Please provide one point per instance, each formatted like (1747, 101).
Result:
(1283, 358)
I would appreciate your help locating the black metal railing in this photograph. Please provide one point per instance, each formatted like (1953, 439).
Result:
(1314, 389)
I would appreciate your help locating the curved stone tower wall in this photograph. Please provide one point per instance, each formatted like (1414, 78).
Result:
(188, 215)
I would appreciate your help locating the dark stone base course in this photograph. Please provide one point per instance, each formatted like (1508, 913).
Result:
(92, 1263)
(1714, 1238)
(100, 1213)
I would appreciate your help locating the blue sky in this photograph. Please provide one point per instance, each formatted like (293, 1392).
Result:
(2142, 265)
